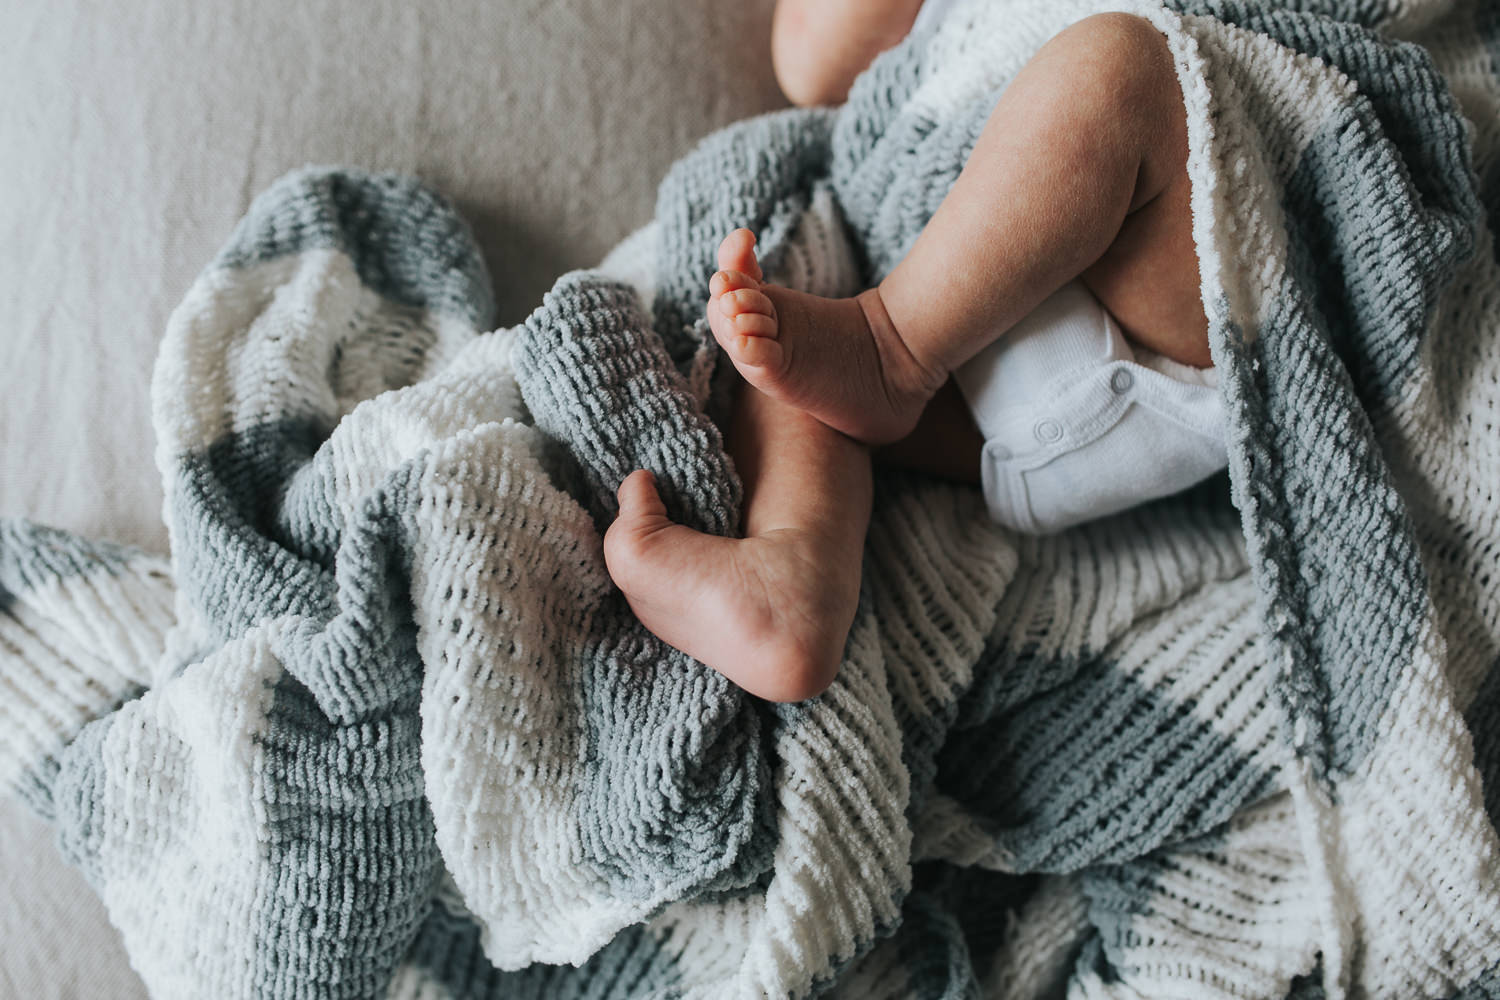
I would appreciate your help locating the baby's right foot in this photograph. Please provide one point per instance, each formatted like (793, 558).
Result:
(841, 360)
(770, 612)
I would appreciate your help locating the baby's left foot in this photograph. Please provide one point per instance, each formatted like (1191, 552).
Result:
(840, 360)
(770, 612)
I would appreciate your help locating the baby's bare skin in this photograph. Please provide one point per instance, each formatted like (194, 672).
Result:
(842, 360)
(1073, 176)
(771, 611)
(1080, 172)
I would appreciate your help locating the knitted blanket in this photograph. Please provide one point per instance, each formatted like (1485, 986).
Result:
(383, 727)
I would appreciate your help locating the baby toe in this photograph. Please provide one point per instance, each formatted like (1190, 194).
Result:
(737, 253)
(754, 325)
(728, 281)
(740, 301)
(756, 352)
(638, 497)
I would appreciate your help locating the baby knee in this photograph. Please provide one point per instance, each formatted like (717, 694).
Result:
(1122, 61)
(1113, 76)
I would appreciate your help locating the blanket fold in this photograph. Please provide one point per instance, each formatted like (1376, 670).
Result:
(383, 727)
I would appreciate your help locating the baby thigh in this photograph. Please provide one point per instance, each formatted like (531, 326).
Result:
(1147, 278)
(1079, 172)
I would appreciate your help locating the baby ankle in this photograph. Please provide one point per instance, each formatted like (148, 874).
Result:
(920, 374)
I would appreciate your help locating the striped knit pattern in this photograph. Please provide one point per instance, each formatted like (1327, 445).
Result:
(382, 727)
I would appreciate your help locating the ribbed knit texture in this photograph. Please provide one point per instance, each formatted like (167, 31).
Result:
(383, 727)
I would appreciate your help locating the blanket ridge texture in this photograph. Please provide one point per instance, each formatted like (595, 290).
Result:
(382, 727)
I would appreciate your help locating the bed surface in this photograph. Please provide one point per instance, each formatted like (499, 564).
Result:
(134, 136)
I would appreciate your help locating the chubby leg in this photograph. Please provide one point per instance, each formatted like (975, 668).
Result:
(818, 47)
(1080, 171)
(771, 611)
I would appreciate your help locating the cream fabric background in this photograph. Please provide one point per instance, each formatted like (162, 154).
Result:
(132, 137)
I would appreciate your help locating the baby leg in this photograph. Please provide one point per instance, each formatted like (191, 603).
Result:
(771, 611)
(818, 47)
(1079, 171)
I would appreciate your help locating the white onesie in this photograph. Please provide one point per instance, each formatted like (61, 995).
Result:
(1077, 422)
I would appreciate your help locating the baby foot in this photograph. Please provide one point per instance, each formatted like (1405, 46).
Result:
(771, 612)
(841, 360)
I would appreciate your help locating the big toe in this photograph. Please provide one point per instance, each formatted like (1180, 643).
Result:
(638, 497)
(628, 543)
(737, 253)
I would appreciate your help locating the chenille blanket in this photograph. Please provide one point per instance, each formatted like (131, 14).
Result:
(382, 727)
